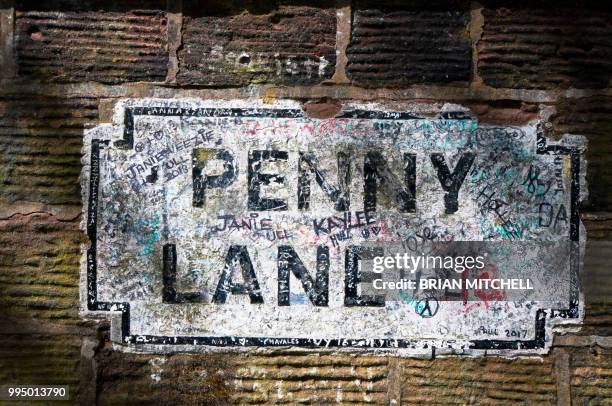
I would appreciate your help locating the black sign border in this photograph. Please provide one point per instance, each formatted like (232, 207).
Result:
(537, 343)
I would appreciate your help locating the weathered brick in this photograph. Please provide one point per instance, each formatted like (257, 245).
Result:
(596, 275)
(144, 379)
(40, 359)
(504, 112)
(545, 48)
(310, 379)
(39, 268)
(394, 48)
(241, 379)
(112, 42)
(483, 381)
(590, 380)
(597, 319)
(598, 226)
(107, 47)
(40, 148)
(88, 5)
(592, 117)
(291, 45)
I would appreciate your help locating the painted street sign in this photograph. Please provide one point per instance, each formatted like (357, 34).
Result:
(220, 224)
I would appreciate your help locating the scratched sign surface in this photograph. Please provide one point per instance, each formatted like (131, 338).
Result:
(218, 223)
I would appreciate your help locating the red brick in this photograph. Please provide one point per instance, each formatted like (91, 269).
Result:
(591, 117)
(40, 147)
(107, 47)
(398, 48)
(545, 48)
(291, 45)
(39, 268)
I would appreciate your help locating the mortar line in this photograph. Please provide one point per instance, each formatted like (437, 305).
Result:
(174, 27)
(343, 36)
(476, 30)
(562, 376)
(7, 39)
(394, 382)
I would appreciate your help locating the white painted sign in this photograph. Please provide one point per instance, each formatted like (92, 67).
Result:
(216, 224)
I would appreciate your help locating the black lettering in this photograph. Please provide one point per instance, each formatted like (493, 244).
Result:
(549, 214)
(226, 220)
(152, 178)
(169, 293)
(451, 183)
(353, 276)
(376, 171)
(256, 179)
(308, 164)
(561, 216)
(202, 182)
(317, 290)
(238, 255)
(318, 227)
(169, 274)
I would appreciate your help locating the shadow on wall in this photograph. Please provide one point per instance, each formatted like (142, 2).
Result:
(191, 8)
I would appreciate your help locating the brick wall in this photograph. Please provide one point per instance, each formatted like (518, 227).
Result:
(65, 62)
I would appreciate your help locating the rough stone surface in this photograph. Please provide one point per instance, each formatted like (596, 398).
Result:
(590, 380)
(505, 112)
(597, 320)
(40, 143)
(545, 48)
(291, 45)
(42, 338)
(40, 359)
(182, 379)
(107, 47)
(39, 268)
(488, 381)
(592, 117)
(240, 379)
(310, 379)
(405, 47)
(596, 275)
